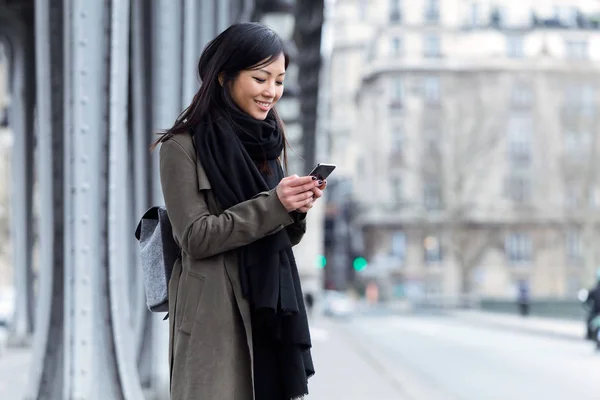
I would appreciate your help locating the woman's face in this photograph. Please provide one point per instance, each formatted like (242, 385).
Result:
(257, 91)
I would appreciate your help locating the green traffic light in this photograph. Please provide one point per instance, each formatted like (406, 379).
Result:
(360, 264)
(321, 261)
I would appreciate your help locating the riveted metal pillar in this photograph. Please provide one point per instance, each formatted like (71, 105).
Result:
(120, 238)
(166, 96)
(140, 84)
(309, 22)
(21, 121)
(98, 362)
(191, 52)
(46, 372)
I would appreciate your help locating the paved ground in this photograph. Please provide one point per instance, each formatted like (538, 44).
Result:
(459, 360)
(456, 356)
(14, 366)
(344, 370)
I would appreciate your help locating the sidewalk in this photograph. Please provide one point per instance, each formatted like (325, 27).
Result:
(564, 329)
(343, 371)
(14, 371)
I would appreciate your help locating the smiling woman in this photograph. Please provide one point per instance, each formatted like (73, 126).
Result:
(239, 328)
(256, 91)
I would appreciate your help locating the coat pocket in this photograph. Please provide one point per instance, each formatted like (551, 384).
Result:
(191, 295)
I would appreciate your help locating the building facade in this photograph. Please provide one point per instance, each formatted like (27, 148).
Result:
(470, 132)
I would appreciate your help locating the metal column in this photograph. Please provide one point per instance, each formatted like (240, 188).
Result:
(166, 106)
(46, 372)
(21, 117)
(99, 363)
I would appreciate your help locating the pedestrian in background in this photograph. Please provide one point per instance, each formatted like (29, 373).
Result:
(523, 298)
(238, 325)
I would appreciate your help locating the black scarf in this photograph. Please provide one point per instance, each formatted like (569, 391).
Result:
(230, 148)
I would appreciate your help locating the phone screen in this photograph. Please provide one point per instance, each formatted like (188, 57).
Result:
(322, 171)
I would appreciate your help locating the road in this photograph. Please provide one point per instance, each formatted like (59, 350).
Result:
(437, 357)
(409, 357)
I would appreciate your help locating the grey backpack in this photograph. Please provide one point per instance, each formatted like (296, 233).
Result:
(158, 252)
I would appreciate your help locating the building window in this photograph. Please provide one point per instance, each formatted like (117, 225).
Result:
(571, 197)
(431, 89)
(519, 247)
(397, 189)
(396, 92)
(397, 139)
(577, 144)
(521, 96)
(432, 46)
(432, 139)
(432, 11)
(432, 196)
(399, 245)
(577, 49)
(574, 245)
(395, 11)
(520, 133)
(396, 46)
(514, 46)
(475, 14)
(432, 249)
(362, 9)
(580, 98)
(588, 100)
(519, 188)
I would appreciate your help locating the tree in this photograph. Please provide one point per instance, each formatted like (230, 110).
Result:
(580, 165)
(468, 155)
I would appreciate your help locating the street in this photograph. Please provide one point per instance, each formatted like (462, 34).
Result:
(437, 357)
(422, 357)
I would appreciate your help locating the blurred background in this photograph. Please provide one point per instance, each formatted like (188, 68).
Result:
(454, 256)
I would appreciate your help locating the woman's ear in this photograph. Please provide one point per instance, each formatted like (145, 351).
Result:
(221, 78)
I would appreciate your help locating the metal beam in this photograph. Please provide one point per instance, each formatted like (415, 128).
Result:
(21, 61)
(46, 371)
(120, 239)
(166, 96)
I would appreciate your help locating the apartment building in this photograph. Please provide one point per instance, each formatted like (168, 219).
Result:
(470, 131)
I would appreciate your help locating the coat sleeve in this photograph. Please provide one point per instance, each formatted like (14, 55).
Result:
(297, 230)
(201, 234)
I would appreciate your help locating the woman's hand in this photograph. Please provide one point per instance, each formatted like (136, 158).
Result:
(317, 194)
(295, 192)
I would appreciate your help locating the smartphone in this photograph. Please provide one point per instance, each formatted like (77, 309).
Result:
(322, 171)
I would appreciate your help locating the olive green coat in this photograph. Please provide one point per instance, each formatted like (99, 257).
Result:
(210, 340)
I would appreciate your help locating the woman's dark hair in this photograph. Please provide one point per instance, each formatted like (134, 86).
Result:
(242, 46)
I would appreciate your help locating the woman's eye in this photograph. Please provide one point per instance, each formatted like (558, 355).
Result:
(279, 83)
(259, 80)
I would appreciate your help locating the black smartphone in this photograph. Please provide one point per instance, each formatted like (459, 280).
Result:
(322, 171)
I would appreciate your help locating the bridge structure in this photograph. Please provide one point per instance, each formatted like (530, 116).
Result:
(90, 82)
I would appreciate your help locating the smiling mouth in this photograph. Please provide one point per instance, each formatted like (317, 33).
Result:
(262, 104)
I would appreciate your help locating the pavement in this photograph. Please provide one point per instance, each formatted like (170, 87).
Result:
(445, 357)
(560, 328)
(462, 355)
(344, 368)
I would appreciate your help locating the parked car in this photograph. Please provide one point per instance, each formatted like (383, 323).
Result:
(7, 305)
(337, 304)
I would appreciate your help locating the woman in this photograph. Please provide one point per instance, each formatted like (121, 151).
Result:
(239, 328)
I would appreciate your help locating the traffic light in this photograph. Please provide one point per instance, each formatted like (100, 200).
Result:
(359, 264)
(321, 261)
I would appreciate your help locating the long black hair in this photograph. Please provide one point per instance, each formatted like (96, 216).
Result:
(242, 46)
